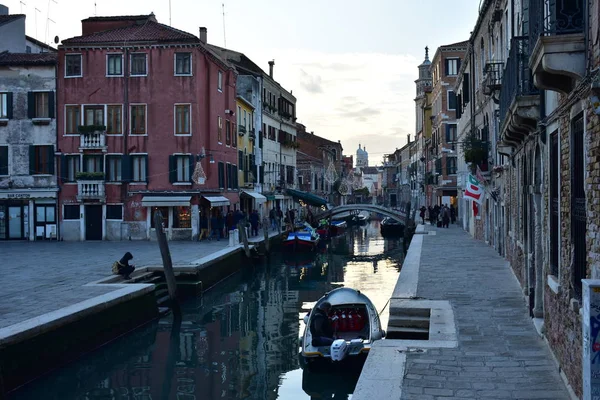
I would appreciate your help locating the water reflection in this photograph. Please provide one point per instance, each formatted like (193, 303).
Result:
(240, 341)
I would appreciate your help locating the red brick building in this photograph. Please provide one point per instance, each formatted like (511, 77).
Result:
(146, 122)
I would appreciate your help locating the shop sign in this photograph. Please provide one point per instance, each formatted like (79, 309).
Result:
(27, 195)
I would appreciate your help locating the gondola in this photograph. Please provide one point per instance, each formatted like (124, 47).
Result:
(391, 227)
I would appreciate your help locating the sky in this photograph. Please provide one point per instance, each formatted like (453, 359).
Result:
(351, 64)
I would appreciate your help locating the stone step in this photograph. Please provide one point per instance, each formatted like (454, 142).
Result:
(407, 333)
(408, 321)
(405, 311)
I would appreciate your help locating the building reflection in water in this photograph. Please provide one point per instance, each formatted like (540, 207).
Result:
(239, 341)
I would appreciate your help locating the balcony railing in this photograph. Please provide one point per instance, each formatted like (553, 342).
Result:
(93, 140)
(555, 17)
(252, 134)
(517, 79)
(241, 130)
(492, 76)
(90, 190)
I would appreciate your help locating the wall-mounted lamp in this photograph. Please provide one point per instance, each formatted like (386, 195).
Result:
(211, 159)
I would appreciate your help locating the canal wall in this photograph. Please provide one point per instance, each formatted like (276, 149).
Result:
(38, 345)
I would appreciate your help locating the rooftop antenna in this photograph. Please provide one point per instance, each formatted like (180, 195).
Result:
(95, 10)
(22, 4)
(169, 12)
(48, 20)
(224, 36)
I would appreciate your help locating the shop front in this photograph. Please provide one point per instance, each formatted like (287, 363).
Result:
(178, 213)
(251, 200)
(28, 215)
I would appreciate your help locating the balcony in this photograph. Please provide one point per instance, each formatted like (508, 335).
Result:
(88, 189)
(92, 138)
(241, 130)
(492, 78)
(252, 134)
(558, 39)
(519, 98)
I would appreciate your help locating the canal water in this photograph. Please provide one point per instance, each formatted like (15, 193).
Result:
(240, 340)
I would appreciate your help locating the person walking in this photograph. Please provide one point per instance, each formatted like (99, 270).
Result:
(204, 232)
(229, 223)
(422, 214)
(445, 216)
(452, 214)
(273, 218)
(254, 223)
(214, 227)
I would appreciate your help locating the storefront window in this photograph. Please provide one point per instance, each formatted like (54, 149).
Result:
(2, 221)
(182, 218)
(165, 214)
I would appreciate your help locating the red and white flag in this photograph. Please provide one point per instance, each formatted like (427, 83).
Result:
(474, 190)
(479, 176)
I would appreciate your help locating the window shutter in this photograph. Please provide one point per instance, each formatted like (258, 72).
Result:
(30, 105)
(457, 65)
(192, 165)
(465, 90)
(126, 168)
(32, 160)
(172, 169)
(241, 160)
(3, 160)
(147, 165)
(51, 105)
(50, 150)
(446, 66)
(9, 105)
(447, 133)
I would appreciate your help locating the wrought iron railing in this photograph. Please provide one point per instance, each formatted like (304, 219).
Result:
(517, 79)
(555, 17)
(493, 75)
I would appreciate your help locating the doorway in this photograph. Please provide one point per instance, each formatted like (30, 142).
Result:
(15, 222)
(93, 222)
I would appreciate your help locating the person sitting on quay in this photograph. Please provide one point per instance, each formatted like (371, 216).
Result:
(122, 266)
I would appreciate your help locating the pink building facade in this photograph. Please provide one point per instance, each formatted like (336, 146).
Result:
(145, 122)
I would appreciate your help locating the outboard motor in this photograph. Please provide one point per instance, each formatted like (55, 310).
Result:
(339, 349)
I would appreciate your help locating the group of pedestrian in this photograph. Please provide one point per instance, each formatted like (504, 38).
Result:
(438, 215)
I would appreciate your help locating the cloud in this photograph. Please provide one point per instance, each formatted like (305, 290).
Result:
(312, 84)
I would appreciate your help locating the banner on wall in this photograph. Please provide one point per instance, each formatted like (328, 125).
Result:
(474, 190)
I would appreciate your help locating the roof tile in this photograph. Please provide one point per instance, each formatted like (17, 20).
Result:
(147, 32)
(7, 58)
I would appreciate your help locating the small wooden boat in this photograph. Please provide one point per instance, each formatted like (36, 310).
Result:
(391, 227)
(356, 326)
(302, 240)
(337, 227)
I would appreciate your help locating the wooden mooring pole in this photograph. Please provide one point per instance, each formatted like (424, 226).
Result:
(163, 244)
(244, 235)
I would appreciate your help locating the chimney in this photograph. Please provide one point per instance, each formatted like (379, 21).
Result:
(3, 9)
(203, 33)
(271, 64)
(408, 136)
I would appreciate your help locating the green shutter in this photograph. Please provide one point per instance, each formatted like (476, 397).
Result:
(172, 169)
(125, 168)
(32, 160)
(9, 105)
(30, 105)
(241, 160)
(147, 165)
(50, 150)
(3, 160)
(192, 165)
(51, 105)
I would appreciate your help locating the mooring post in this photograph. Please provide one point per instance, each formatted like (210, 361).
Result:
(163, 245)
(244, 235)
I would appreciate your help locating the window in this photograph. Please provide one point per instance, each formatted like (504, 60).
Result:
(93, 164)
(40, 104)
(71, 211)
(229, 174)
(41, 160)
(165, 216)
(451, 100)
(114, 211)
(233, 135)
(182, 218)
(113, 169)
(220, 81)
(93, 115)
(3, 160)
(114, 120)
(220, 130)
(114, 65)
(221, 175)
(71, 166)
(183, 63)
(73, 65)
(450, 133)
(139, 64)
(450, 165)
(241, 160)
(139, 169)
(6, 105)
(73, 120)
(452, 66)
(181, 168)
(227, 132)
(182, 119)
(300, 180)
(138, 120)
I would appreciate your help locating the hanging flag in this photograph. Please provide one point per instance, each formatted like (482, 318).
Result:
(475, 209)
(479, 176)
(474, 190)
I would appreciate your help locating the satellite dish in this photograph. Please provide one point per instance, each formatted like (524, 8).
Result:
(56, 39)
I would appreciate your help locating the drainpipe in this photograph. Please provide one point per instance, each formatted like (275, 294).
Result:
(125, 187)
(58, 198)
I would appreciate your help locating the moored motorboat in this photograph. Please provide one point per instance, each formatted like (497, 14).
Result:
(355, 323)
(302, 240)
(391, 227)
(337, 227)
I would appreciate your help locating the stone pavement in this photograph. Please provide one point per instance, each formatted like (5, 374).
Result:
(40, 277)
(500, 354)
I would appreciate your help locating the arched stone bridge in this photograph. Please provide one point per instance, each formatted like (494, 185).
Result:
(395, 214)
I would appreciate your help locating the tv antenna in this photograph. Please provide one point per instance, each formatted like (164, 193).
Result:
(48, 20)
(22, 4)
(169, 12)
(224, 36)
(36, 24)
(95, 9)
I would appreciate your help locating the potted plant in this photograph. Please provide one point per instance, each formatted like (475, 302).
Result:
(89, 176)
(475, 150)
